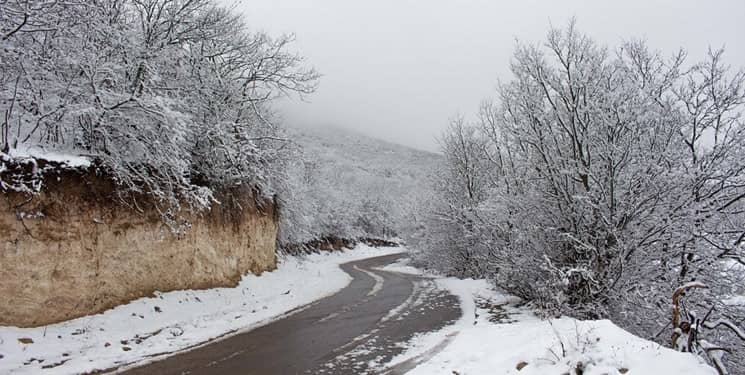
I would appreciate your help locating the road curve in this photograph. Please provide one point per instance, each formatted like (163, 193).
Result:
(355, 331)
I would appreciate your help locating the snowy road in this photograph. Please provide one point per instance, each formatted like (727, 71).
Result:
(357, 330)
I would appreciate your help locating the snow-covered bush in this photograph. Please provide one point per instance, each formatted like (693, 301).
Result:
(169, 95)
(598, 182)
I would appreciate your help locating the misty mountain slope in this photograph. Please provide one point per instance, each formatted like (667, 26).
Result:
(350, 185)
(346, 154)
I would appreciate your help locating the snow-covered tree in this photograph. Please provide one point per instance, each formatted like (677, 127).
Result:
(612, 178)
(168, 96)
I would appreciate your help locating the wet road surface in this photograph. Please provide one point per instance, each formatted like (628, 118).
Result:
(356, 331)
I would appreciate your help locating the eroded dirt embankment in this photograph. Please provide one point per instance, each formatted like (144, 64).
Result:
(72, 250)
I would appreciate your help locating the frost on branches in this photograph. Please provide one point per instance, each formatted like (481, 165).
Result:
(598, 182)
(168, 96)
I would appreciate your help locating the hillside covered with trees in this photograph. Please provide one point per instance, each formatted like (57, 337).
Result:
(346, 185)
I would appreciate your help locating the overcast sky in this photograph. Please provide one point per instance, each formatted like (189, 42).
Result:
(399, 69)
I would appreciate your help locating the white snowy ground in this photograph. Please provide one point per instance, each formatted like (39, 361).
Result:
(150, 327)
(474, 345)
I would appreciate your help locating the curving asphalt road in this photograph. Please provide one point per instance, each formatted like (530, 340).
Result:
(355, 331)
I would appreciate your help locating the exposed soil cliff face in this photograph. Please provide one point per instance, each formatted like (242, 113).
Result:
(72, 250)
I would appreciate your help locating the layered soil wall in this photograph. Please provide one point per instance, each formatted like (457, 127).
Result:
(72, 250)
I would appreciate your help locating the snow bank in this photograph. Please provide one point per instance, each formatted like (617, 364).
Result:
(476, 345)
(37, 152)
(177, 320)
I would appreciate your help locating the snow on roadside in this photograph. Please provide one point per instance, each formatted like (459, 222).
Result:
(476, 345)
(176, 320)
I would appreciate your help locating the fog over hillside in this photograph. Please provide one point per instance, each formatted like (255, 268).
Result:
(375, 156)
(354, 185)
(399, 69)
